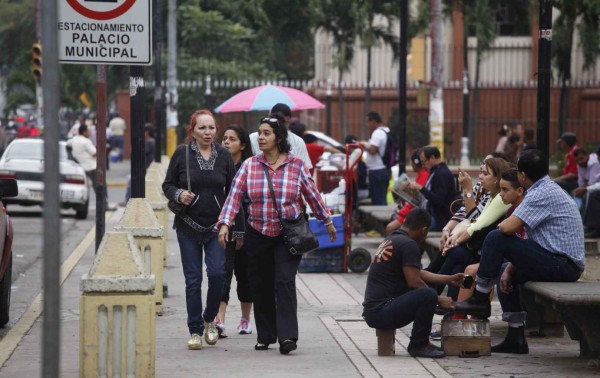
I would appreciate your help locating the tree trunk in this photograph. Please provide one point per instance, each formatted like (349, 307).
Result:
(475, 113)
(363, 130)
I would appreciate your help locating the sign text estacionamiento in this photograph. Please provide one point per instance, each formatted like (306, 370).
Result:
(112, 41)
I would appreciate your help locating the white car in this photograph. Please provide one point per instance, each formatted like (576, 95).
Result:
(23, 160)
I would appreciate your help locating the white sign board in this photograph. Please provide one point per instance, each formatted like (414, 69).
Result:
(105, 31)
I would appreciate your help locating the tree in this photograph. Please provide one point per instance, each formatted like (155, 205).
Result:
(582, 16)
(338, 19)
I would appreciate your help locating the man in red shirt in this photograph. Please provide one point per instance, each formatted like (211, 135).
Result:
(568, 180)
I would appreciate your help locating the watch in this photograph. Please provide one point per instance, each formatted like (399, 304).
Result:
(468, 195)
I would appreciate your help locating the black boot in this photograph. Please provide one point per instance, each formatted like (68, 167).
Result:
(479, 305)
(514, 342)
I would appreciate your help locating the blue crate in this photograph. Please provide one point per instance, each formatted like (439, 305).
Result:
(329, 260)
(320, 231)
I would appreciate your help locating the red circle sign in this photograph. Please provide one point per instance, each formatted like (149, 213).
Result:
(107, 15)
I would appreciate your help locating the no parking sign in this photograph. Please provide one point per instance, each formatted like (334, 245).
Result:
(105, 31)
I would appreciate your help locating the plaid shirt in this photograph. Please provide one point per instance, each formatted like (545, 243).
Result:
(290, 180)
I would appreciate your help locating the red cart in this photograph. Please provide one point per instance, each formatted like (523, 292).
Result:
(357, 259)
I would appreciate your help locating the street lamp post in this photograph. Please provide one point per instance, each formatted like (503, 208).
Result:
(544, 76)
(328, 107)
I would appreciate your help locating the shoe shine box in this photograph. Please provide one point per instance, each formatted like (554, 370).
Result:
(466, 337)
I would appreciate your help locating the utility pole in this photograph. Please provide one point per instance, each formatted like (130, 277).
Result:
(158, 96)
(402, 112)
(544, 76)
(101, 194)
(328, 107)
(172, 96)
(464, 148)
(436, 101)
(52, 247)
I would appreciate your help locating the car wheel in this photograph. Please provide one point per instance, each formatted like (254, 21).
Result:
(81, 212)
(5, 284)
(359, 260)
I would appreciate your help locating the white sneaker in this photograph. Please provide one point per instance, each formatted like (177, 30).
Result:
(211, 333)
(245, 328)
(221, 328)
(195, 343)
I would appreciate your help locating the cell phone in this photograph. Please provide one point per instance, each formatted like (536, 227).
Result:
(467, 282)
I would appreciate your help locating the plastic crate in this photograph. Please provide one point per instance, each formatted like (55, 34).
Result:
(330, 260)
(320, 231)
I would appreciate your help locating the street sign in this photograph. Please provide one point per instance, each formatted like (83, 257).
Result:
(105, 32)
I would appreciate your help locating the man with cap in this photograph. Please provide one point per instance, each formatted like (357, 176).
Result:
(568, 180)
(296, 143)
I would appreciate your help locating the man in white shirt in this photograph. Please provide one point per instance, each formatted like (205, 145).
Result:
(379, 173)
(588, 169)
(84, 152)
(117, 128)
(296, 143)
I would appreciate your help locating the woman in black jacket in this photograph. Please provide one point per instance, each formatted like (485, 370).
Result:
(211, 171)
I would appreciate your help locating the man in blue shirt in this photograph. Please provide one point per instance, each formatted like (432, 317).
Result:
(553, 250)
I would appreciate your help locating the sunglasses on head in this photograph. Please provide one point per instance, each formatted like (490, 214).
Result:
(269, 120)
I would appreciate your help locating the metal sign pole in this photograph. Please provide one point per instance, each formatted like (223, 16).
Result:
(101, 201)
(138, 148)
(51, 83)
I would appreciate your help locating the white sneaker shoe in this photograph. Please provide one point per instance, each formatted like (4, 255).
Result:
(211, 333)
(245, 328)
(221, 328)
(195, 343)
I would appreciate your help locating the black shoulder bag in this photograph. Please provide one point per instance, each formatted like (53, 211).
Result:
(179, 208)
(297, 235)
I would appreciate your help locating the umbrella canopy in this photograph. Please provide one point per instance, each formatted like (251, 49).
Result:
(265, 96)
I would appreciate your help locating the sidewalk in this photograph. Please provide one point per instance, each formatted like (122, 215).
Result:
(334, 340)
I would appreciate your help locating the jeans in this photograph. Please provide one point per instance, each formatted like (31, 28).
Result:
(191, 260)
(532, 262)
(457, 259)
(416, 306)
(379, 180)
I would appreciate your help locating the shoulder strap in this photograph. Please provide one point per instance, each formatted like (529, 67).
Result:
(187, 166)
(271, 189)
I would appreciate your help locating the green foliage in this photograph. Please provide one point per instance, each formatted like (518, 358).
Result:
(417, 129)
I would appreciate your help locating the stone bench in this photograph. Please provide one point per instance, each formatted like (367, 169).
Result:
(576, 305)
(375, 217)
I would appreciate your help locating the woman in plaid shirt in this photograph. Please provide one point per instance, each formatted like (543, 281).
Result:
(272, 268)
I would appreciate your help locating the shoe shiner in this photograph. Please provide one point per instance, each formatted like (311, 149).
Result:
(397, 292)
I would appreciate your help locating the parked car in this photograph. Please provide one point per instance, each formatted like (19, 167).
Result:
(23, 160)
(8, 188)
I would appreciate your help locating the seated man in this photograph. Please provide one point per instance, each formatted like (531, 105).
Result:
(397, 292)
(553, 250)
(567, 144)
(589, 190)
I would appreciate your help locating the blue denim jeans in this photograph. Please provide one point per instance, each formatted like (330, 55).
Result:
(379, 180)
(457, 259)
(416, 306)
(533, 263)
(191, 260)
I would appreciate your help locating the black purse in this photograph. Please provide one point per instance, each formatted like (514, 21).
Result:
(179, 208)
(297, 235)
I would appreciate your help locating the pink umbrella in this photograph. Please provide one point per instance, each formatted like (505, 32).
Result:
(265, 96)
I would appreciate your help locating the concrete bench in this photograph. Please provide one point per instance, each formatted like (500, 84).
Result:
(576, 305)
(375, 217)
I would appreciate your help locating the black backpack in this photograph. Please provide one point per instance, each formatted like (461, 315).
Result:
(391, 153)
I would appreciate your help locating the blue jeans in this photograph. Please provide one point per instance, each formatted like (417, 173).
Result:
(416, 306)
(379, 180)
(532, 262)
(457, 259)
(191, 260)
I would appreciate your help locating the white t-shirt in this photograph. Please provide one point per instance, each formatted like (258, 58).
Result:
(379, 139)
(297, 144)
(117, 126)
(84, 151)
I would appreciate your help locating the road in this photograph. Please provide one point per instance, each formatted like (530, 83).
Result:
(28, 249)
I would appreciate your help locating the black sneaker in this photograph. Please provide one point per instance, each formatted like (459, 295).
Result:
(287, 346)
(427, 351)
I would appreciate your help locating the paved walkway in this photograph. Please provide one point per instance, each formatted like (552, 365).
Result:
(334, 341)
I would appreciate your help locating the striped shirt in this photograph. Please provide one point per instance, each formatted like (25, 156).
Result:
(291, 181)
(552, 220)
(480, 198)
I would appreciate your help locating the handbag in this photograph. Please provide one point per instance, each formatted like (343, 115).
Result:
(179, 208)
(297, 235)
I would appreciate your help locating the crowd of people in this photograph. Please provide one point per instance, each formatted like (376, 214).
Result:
(515, 225)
